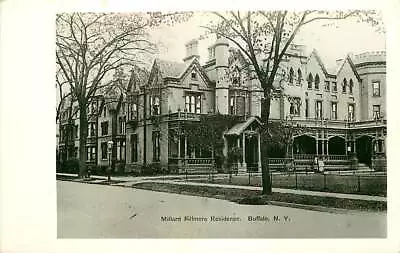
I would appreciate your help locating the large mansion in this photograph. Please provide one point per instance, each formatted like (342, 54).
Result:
(342, 112)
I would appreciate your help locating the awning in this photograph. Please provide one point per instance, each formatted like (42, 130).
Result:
(240, 127)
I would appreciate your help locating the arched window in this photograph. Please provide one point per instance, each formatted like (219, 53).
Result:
(316, 82)
(310, 80)
(351, 86)
(291, 74)
(344, 85)
(299, 76)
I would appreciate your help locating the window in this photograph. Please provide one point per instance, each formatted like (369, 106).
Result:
(104, 128)
(211, 53)
(236, 76)
(156, 146)
(291, 75)
(309, 81)
(299, 76)
(240, 106)
(351, 86)
(91, 153)
(344, 85)
(123, 107)
(122, 125)
(92, 108)
(132, 111)
(76, 152)
(316, 82)
(376, 89)
(237, 105)
(294, 108)
(351, 112)
(198, 104)
(104, 150)
(194, 75)
(318, 109)
(91, 129)
(193, 103)
(134, 148)
(76, 132)
(376, 109)
(334, 86)
(232, 105)
(327, 88)
(120, 150)
(307, 108)
(155, 105)
(334, 110)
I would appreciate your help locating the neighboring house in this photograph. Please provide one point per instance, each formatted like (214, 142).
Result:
(342, 111)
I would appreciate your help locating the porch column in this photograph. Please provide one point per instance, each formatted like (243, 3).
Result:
(345, 146)
(243, 149)
(259, 150)
(323, 147)
(327, 147)
(316, 145)
(185, 147)
(179, 147)
(244, 166)
(225, 150)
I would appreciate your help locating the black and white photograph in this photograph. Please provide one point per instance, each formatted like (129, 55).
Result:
(212, 126)
(255, 127)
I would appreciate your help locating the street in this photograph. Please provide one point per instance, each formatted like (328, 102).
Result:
(99, 211)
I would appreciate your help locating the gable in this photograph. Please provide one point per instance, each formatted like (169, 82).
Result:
(347, 69)
(315, 65)
(199, 79)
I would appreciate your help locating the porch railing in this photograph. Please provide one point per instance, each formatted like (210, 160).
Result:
(191, 165)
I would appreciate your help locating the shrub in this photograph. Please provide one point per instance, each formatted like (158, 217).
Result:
(70, 166)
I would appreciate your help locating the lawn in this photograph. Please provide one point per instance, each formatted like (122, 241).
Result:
(350, 184)
(254, 197)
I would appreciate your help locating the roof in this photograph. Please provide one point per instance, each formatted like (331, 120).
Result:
(171, 68)
(240, 127)
(352, 66)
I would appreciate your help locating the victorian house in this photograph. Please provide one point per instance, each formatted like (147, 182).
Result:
(341, 112)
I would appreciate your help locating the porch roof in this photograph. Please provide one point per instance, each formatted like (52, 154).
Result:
(240, 127)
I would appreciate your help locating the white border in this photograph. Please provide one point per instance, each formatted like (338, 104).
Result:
(27, 154)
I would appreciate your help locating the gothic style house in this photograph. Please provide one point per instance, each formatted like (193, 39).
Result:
(342, 111)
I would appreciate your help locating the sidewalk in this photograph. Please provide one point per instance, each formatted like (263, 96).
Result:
(129, 181)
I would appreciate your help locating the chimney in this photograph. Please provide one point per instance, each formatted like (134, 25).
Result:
(192, 50)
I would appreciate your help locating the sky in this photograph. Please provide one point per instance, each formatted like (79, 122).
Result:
(332, 42)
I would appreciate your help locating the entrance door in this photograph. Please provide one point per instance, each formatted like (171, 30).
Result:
(251, 153)
(364, 149)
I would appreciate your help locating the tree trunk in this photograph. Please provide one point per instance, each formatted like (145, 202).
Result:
(266, 180)
(83, 133)
(114, 126)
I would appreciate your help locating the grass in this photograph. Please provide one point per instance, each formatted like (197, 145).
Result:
(349, 184)
(254, 197)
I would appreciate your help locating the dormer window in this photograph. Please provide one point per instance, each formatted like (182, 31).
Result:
(310, 80)
(344, 85)
(194, 75)
(316, 82)
(299, 76)
(155, 105)
(351, 86)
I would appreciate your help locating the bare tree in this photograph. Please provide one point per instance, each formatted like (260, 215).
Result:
(90, 47)
(264, 37)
